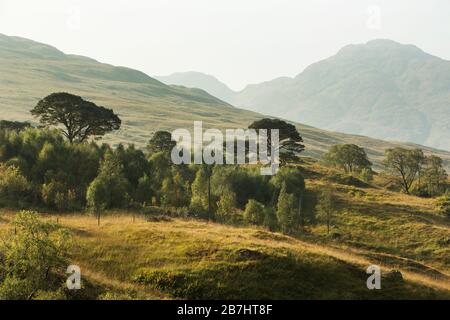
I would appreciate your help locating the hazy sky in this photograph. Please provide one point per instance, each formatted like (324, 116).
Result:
(238, 41)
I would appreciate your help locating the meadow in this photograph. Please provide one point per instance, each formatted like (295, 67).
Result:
(132, 255)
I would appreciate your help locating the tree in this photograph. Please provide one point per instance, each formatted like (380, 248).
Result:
(13, 125)
(405, 165)
(161, 141)
(144, 191)
(286, 211)
(325, 207)
(348, 157)
(199, 199)
(33, 257)
(291, 143)
(435, 175)
(254, 212)
(295, 185)
(79, 118)
(226, 206)
(14, 187)
(175, 190)
(109, 188)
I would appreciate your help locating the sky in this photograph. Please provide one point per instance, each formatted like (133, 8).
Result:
(238, 41)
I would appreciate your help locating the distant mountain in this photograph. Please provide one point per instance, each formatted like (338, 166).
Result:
(206, 82)
(30, 70)
(381, 89)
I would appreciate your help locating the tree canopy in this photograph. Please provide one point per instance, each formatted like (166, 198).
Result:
(349, 157)
(161, 141)
(78, 118)
(405, 164)
(13, 125)
(291, 143)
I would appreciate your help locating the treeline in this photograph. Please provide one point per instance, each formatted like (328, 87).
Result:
(409, 169)
(40, 168)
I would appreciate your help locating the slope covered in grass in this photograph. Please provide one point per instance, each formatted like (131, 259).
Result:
(30, 71)
(174, 258)
(390, 227)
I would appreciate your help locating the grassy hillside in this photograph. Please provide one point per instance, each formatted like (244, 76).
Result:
(176, 258)
(30, 71)
(157, 256)
(380, 89)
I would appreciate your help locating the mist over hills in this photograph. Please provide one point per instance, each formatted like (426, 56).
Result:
(381, 89)
(29, 71)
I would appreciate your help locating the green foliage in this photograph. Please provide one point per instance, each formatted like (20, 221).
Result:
(286, 210)
(435, 176)
(348, 157)
(270, 219)
(161, 141)
(175, 190)
(80, 118)
(292, 178)
(366, 175)
(291, 143)
(109, 188)
(135, 165)
(144, 192)
(56, 196)
(326, 207)
(246, 183)
(254, 212)
(404, 165)
(33, 257)
(199, 199)
(226, 207)
(14, 187)
(13, 125)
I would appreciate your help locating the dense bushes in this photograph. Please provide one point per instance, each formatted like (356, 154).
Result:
(33, 259)
(41, 169)
(14, 187)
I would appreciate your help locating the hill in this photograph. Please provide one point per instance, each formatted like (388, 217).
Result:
(159, 256)
(206, 82)
(31, 70)
(381, 89)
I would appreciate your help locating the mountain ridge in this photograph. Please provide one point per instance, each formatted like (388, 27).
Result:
(144, 105)
(382, 89)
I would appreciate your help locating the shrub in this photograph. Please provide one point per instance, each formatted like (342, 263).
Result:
(34, 257)
(144, 192)
(109, 189)
(286, 213)
(56, 196)
(254, 212)
(199, 200)
(270, 219)
(14, 188)
(226, 207)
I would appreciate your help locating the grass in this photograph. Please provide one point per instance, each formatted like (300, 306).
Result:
(30, 71)
(135, 258)
(384, 224)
